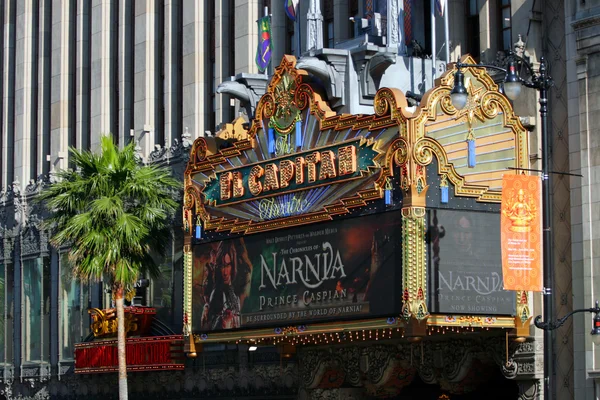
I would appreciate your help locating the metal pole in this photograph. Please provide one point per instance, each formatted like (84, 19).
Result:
(433, 46)
(271, 39)
(547, 242)
(299, 52)
(447, 30)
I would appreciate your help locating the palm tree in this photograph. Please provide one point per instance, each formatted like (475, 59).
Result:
(112, 213)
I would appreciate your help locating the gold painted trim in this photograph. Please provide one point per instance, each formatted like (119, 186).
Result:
(490, 102)
(347, 326)
(187, 289)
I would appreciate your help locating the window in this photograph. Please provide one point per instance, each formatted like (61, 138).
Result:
(3, 319)
(6, 314)
(353, 12)
(36, 310)
(328, 35)
(291, 43)
(160, 293)
(73, 303)
(472, 42)
(505, 14)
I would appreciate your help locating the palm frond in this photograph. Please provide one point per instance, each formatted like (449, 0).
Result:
(112, 212)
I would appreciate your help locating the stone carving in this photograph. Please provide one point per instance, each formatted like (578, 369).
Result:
(7, 244)
(64, 369)
(450, 363)
(310, 361)
(457, 359)
(35, 186)
(220, 374)
(157, 154)
(18, 203)
(524, 361)
(330, 66)
(530, 389)
(325, 394)
(27, 372)
(247, 88)
(378, 359)
(177, 152)
(370, 63)
(261, 382)
(519, 49)
(3, 217)
(30, 244)
(351, 360)
(186, 139)
(180, 149)
(395, 25)
(429, 363)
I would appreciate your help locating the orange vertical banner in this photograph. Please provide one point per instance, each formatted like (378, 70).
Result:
(521, 232)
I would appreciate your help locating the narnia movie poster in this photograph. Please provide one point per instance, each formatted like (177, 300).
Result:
(347, 269)
(465, 264)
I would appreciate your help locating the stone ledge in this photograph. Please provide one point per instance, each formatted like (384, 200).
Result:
(587, 34)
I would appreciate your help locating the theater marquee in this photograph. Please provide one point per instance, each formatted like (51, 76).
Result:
(311, 218)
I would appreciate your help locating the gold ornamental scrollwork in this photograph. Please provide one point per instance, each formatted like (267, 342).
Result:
(390, 102)
(492, 103)
(104, 322)
(396, 154)
(200, 150)
(303, 96)
(287, 94)
(400, 152)
(428, 147)
(192, 200)
(267, 106)
(423, 152)
(446, 103)
(189, 198)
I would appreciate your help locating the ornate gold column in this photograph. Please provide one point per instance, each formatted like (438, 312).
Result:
(414, 260)
(192, 212)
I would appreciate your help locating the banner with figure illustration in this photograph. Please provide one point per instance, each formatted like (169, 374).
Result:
(521, 232)
(347, 269)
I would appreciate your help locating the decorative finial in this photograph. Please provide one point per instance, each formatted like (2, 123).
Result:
(520, 47)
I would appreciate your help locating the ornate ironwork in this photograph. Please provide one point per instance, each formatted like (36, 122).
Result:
(552, 325)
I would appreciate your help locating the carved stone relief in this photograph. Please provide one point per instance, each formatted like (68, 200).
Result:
(457, 366)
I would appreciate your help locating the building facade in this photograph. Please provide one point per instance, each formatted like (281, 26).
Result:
(159, 73)
(582, 32)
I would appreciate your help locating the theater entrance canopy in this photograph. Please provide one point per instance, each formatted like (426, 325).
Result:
(307, 226)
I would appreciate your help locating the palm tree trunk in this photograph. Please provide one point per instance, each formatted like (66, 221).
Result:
(118, 290)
